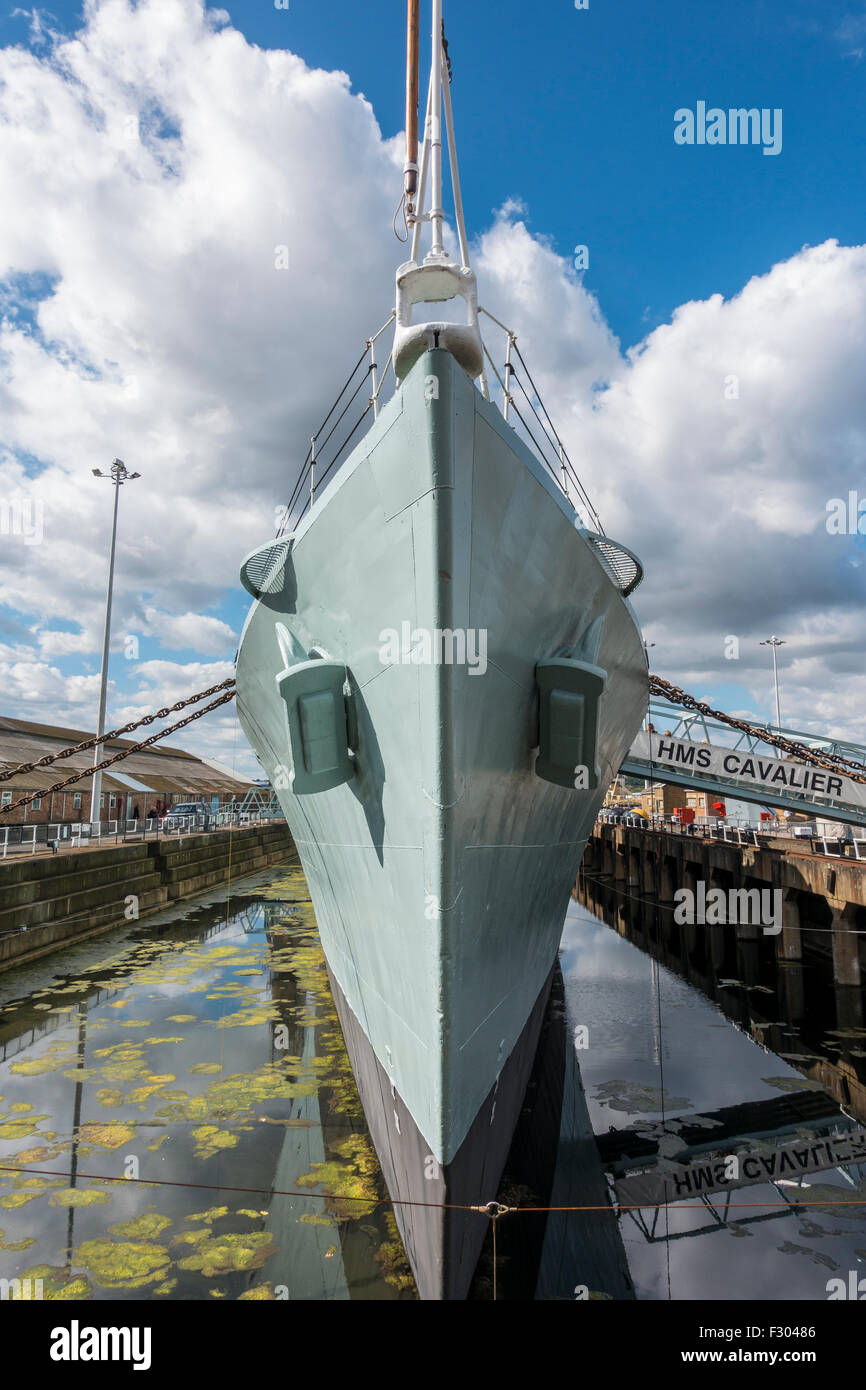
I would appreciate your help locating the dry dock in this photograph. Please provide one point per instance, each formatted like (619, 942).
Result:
(49, 901)
(797, 990)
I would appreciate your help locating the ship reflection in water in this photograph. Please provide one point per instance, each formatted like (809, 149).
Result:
(703, 1047)
(202, 1049)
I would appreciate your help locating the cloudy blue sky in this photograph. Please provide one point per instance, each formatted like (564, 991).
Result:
(152, 156)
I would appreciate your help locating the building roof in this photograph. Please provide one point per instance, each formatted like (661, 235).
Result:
(162, 768)
(67, 736)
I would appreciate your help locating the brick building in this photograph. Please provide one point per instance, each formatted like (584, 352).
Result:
(142, 785)
(664, 798)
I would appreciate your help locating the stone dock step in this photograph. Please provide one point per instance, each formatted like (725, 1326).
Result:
(48, 902)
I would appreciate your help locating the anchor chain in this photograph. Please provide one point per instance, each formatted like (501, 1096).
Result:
(832, 762)
(125, 753)
(116, 733)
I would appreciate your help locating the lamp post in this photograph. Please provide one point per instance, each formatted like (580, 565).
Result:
(775, 642)
(117, 475)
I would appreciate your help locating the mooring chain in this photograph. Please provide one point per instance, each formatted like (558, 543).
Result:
(116, 733)
(833, 762)
(856, 771)
(125, 752)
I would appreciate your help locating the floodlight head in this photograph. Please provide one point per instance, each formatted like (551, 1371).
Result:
(97, 472)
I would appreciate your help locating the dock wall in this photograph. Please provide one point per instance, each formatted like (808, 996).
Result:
(49, 901)
(809, 974)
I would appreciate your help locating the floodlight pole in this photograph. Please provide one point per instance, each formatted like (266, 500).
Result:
(118, 475)
(775, 642)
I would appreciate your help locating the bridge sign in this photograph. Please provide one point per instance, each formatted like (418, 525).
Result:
(708, 1173)
(779, 776)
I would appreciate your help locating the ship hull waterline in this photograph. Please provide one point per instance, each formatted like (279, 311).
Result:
(440, 871)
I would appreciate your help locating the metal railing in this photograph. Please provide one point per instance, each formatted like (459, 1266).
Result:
(55, 836)
(751, 836)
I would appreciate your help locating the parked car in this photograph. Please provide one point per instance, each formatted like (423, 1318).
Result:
(188, 815)
(615, 815)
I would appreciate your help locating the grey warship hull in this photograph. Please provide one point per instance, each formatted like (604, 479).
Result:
(440, 675)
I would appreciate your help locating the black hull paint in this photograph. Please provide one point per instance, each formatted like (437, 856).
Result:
(441, 1243)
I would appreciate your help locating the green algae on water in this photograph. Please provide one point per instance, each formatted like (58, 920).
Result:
(123, 1264)
(145, 1227)
(222, 1254)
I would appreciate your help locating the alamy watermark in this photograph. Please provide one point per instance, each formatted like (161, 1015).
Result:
(736, 126)
(853, 1288)
(77, 1343)
(760, 907)
(21, 1290)
(423, 646)
(846, 516)
(22, 515)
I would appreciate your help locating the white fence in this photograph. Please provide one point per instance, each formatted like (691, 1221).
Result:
(50, 838)
(846, 845)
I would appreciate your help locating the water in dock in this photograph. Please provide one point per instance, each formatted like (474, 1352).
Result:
(198, 1051)
(668, 1064)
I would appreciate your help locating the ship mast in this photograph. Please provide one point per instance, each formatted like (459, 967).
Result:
(438, 277)
(435, 135)
(410, 171)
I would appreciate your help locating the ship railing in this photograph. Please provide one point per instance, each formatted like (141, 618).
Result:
(552, 453)
(521, 399)
(323, 455)
(622, 563)
(329, 443)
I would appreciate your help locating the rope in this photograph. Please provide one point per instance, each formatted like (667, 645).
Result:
(405, 1202)
(400, 208)
(831, 761)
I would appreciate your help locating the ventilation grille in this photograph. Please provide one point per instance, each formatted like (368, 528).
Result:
(625, 567)
(262, 572)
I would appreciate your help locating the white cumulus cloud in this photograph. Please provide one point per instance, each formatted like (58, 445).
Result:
(156, 169)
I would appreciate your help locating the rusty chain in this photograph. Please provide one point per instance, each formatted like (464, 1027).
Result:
(658, 686)
(116, 733)
(833, 762)
(125, 752)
